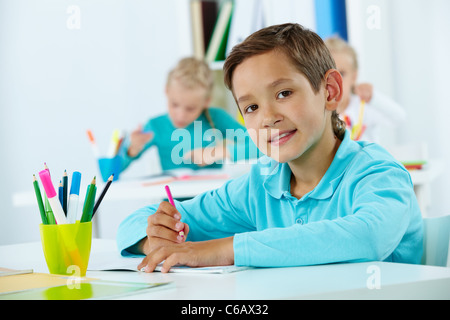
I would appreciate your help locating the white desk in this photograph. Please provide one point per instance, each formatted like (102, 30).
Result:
(135, 189)
(337, 281)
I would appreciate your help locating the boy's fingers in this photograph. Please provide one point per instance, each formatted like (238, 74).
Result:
(143, 263)
(170, 210)
(165, 224)
(162, 233)
(170, 261)
(157, 256)
(161, 219)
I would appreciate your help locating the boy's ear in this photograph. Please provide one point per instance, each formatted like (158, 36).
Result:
(333, 89)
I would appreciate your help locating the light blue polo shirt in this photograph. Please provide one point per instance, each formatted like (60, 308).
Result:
(363, 209)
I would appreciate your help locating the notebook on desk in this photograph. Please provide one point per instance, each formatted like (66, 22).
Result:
(215, 269)
(108, 262)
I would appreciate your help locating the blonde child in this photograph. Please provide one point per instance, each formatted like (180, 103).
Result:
(322, 198)
(361, 100)
(188, 90)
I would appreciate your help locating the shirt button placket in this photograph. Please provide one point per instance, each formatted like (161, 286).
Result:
(301, 212)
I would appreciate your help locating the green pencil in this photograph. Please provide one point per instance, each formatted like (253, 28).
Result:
(89, 202)
(48, 211)
(37, 190)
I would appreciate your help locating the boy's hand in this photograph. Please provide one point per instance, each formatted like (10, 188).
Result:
(218, 252)
(364, 91)
(163, 228)
(138, 140)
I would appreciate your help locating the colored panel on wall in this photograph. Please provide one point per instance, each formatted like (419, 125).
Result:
(331, 18)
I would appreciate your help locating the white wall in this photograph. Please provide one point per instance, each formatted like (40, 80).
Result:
(422, 66)
(407, 58)
(56, 82)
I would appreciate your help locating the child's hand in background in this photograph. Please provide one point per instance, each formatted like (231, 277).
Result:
(207, 156)
(138, 140)
(364, 91)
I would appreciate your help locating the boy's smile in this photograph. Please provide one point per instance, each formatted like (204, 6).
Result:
(283, 114)
(278, 139)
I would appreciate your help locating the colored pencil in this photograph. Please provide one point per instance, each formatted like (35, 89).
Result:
(37, 191)
(94, 146)
(48, 211)
(102, 195)
(358, 128)
(169, 196)
(114, 143)
(65, 182)
(46, 168)
(60, 193)
(89, 202)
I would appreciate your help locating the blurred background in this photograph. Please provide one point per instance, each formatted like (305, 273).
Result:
(68, 66)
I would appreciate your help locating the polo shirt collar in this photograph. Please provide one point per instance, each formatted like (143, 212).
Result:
(277, 183)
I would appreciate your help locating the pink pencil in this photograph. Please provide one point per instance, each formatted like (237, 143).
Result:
(169, 196)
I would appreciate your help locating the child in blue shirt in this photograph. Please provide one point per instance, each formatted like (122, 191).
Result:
(192, 134)
(318, 197)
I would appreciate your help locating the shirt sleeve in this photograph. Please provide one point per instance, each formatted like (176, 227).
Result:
(381, 208)
(133, 229)
(211, 215)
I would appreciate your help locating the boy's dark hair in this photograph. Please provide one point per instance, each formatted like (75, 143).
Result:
(304, 47)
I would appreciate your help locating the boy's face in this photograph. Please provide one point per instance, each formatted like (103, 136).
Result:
(283, 115)
(185, 105)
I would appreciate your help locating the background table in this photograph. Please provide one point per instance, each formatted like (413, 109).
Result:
(127, 195)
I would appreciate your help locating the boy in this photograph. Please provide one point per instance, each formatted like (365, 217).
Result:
(323, 198)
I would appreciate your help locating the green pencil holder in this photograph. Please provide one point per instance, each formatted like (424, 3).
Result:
(67, 247)
(109, 166)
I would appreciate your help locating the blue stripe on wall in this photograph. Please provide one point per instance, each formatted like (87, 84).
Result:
(331, 18)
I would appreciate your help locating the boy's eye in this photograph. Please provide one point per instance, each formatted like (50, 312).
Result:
(284, 94)
(251, 108)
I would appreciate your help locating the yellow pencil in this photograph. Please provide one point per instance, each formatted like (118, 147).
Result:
(356, 130)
